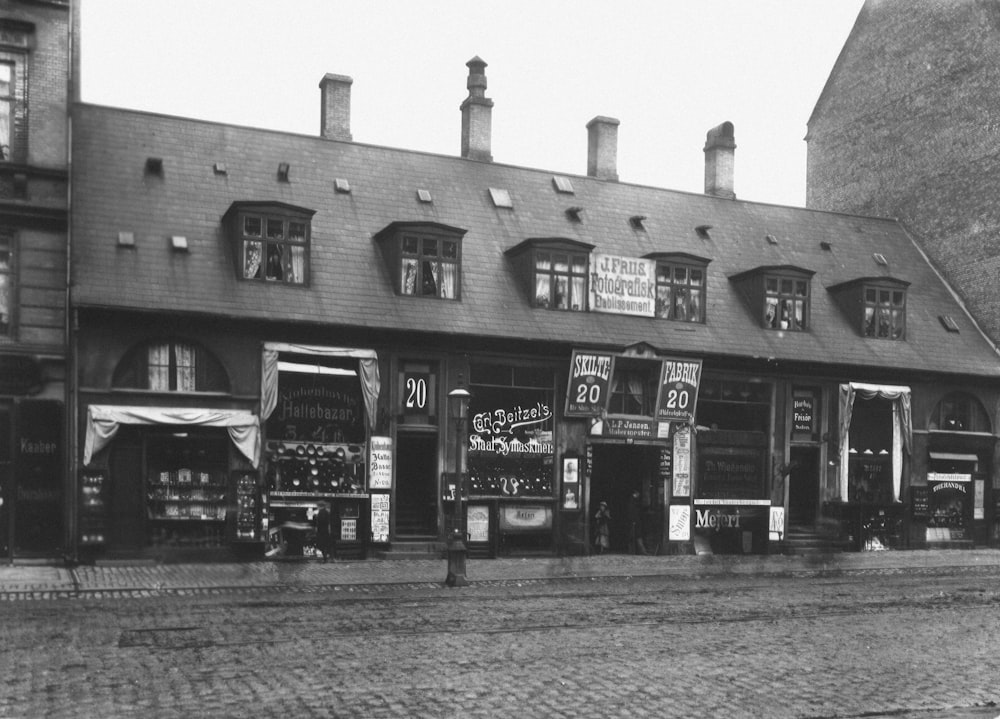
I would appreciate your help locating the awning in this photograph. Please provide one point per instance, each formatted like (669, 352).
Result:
(103, 422)
(954, 456)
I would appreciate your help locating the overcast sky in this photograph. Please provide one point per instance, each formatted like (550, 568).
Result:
(669, 70)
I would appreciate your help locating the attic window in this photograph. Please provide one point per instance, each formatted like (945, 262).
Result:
(884, 312)
(771, 239)
(949, 323)
(825, 246)
(179, 243)
(702, 231)
(501, 198)
(271, 241)
(636, 221)
(283, 169)
(425, 259)
(880, 259)
(554, 271)
(342, 186)
(680, 286)
(126, 239)
(574, 214)
(562, 184)
(219, 168)
(780, 294)
(424, 196)
(154, 166)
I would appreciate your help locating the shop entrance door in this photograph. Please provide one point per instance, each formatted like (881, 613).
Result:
(803, 486)
(126, 523)
(618, 471)
(416, 484)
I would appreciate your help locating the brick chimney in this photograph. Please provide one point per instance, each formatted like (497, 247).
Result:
(602, 148)
(720, 156)
(477, 114)
(335, 107)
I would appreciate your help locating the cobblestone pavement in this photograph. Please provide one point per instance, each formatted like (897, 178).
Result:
(577, 640)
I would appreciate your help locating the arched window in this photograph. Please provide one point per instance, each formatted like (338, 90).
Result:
(960, 412)
(170, 365)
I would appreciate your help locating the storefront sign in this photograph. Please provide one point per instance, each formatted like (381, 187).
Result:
(380, 517)
(776, 524)
(19, 374)
(39, 496)
(478, 523)
(682, 463)
(716, 519)
(589, 380)
(948, 477)
(978, 507)
(517, 517)
(623, 285)
(730, 473)
(317, 408)
(920, 501)
(380, 463)
(803, 411)
(680, 523)
(679, 380)
(629, 428)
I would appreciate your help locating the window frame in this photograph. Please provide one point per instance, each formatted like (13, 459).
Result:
(393, 241)
(689, 263)
(136, 369)
(786, 295)
(275, 257)
(853, 297)
(8, 281)
(872, 327)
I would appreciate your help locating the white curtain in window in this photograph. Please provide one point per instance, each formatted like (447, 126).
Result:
(184, 356)
(409, 276)
(902, 428)
(158, 361)
(449, 277)
(297, 265)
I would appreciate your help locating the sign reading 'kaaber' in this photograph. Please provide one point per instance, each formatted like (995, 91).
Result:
(623, 285)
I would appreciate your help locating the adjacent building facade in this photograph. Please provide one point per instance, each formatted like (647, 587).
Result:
(35, 494)
(267, 322)
(906, 127)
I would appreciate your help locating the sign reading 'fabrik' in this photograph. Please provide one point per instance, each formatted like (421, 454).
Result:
(679, 380)
(589, 380)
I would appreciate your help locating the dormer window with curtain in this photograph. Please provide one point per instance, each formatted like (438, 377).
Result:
(875, 305)
(553, 272)
(270, 241)
(424, 258)
(680, 286)
(778, 295)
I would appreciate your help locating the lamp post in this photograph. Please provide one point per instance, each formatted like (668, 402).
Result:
(458, 405)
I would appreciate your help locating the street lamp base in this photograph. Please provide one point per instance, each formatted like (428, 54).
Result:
(457, 553)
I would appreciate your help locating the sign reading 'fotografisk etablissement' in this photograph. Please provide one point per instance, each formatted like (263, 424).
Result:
(623, 285)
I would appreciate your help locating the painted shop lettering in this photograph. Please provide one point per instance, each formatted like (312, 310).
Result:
(595, 365)
(626, 265)
(686, 372)
(37, 447)
(707, 519)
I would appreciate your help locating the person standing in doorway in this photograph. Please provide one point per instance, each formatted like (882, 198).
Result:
(324, 530)
(602, 520)
(635, 542)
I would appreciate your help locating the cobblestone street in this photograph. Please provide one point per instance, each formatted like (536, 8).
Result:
(839, 645)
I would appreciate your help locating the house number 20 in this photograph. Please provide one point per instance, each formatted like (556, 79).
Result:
(416, 393)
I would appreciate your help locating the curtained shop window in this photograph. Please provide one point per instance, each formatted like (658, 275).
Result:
(170, 366)
(633, 389)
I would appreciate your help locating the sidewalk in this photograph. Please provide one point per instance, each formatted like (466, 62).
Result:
(36, 582)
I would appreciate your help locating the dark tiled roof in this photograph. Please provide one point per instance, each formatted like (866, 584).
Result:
(350, 284)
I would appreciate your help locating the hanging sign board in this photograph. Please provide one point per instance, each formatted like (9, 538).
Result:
(679, 380)
(380, 466)
(589, 382)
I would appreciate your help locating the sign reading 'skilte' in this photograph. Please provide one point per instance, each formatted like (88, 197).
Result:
(589, 380)
(679, 380)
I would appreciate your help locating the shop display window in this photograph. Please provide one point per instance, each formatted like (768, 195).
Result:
(187, 489)
(870, 452)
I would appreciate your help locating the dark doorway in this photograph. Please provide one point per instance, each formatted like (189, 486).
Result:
(803, 486)
(127, 527)
(6, 475)
(618, 471)
(416, 485)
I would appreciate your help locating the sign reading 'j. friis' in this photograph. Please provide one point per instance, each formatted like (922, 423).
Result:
(589, 380)
(679, 380)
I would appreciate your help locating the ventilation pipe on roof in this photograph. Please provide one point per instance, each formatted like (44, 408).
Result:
(720, 157)
(602, 148)
(477, 114)
(335, 107)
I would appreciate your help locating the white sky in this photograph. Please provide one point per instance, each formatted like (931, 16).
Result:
(669, 70)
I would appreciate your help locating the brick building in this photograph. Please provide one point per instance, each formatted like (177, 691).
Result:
(34, 94)
(907, 127)
(269, 322)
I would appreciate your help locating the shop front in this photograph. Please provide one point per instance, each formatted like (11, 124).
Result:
(317, 405)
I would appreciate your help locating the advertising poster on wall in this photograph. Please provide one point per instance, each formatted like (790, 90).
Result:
(680, 523)
(380, 463)
(380, 517)
(623, 285)
(319, 408)
(682, 463)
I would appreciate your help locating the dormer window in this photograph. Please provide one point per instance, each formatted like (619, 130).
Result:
(425, 259)
(780, 294)
(554, 271)
(271, 241)
(876, 306)
(680, 286)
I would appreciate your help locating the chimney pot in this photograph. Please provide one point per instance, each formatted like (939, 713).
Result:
(477, 114)
(720, 157)
(602, 148)
(335, 107)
